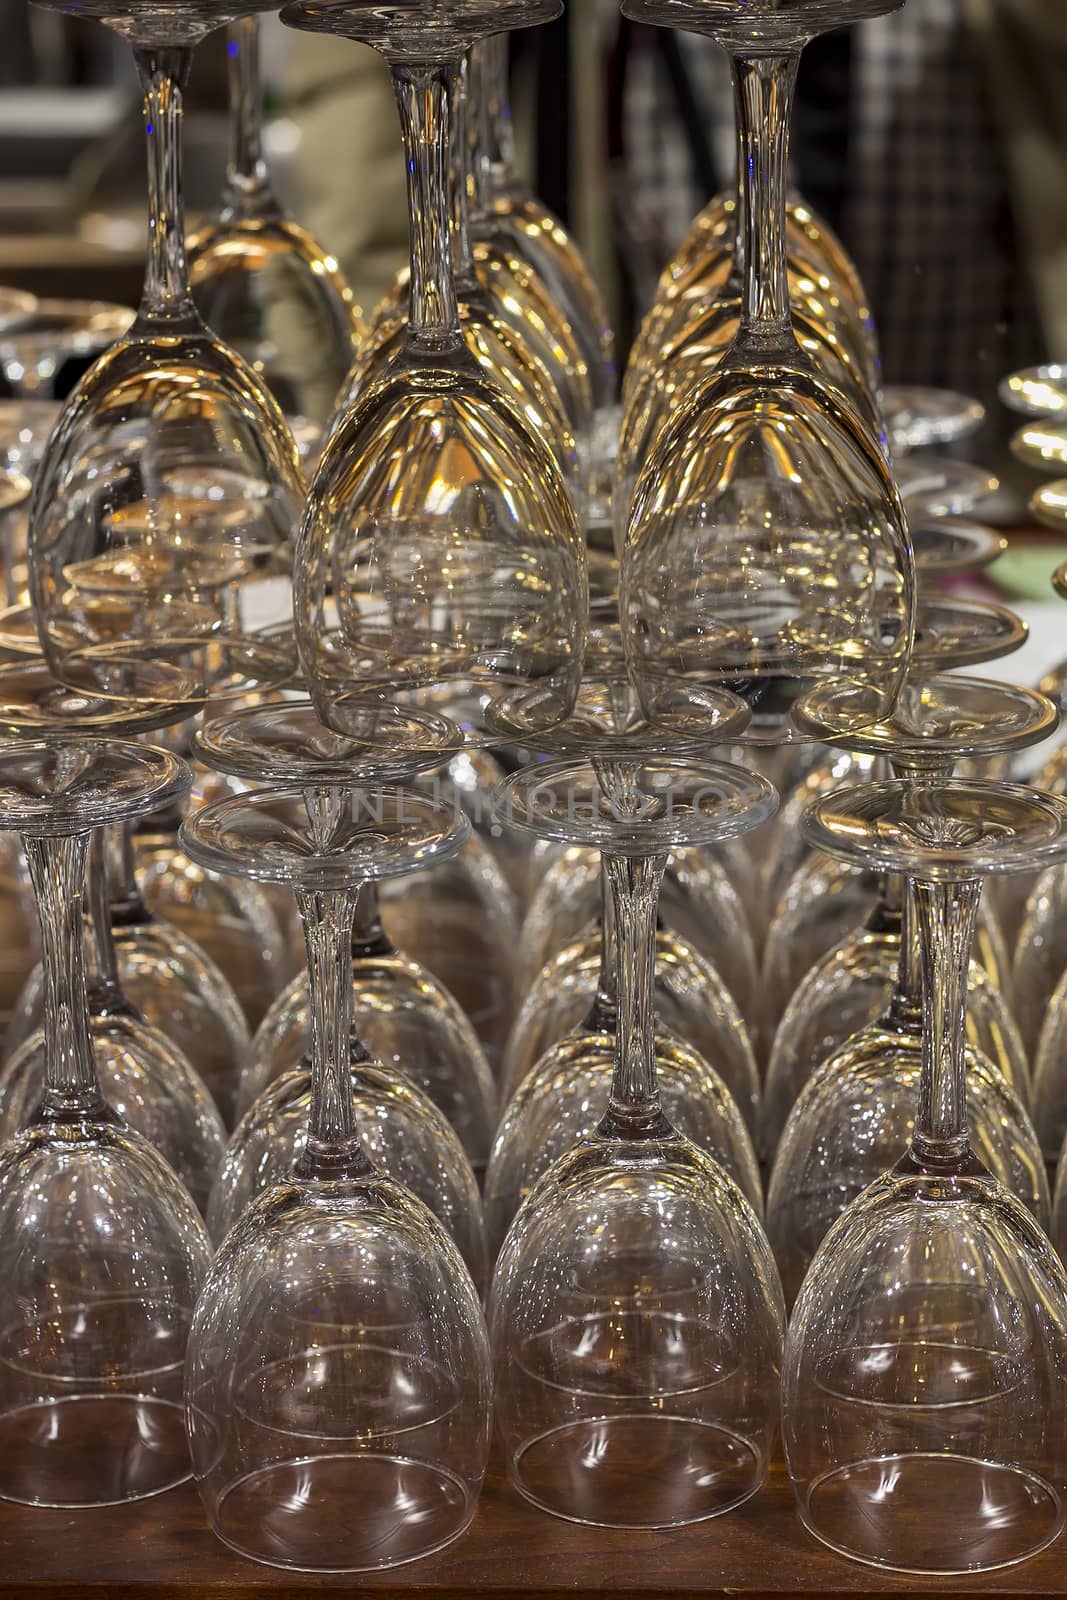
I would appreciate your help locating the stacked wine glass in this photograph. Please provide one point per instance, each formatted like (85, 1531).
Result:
(526, 985)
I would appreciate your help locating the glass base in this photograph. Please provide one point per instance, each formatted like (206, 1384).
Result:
(92, 1450)
(637, 1471)
(934, 1515)
(357, 1512)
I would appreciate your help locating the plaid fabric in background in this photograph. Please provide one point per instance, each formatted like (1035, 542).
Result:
(925, 208)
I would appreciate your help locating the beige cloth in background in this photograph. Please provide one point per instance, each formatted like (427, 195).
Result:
(350, 163)
(1024, 46)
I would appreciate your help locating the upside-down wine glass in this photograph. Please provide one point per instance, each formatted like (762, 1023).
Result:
(166, 409)
(102, 1249)
(938, 722)
(509, 350)
(924, 1402)
(636, 1313)
(415, 1066)
(858, 1108)
(173, 984)
(529, 229)
(439, 546)
(561, 1101)
(144, 1078)
(338, 1384)
(767, 546)
(259, 279)
(815, 903)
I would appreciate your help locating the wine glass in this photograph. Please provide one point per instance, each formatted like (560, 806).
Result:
(938, 721)
(24, 429)
(410, 1024)
(338, 1384)
(174, 985)
(528, 229)
(439, 549)
(687, 332)
(816, 904)
(102, 1249)
(923, 1387)
(635, 1312)
(692, 1002)
(259, 280)
(941, 486)
(56, 331)
(166, 413)
(766, 544)
(918, 416)
(154, 1088)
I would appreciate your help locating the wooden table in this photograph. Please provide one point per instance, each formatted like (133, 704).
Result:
(161, 1550)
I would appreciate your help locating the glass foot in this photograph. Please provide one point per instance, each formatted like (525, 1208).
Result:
(936, 486)
(1036, 391)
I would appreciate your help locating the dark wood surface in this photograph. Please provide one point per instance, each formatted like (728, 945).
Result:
(161, 1550)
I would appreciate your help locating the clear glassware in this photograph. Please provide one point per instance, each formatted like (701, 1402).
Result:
(635, 1312)
(923, 1393)
(1041, 444)
(1036, 391)
(16, 306)
(458, 922)
(917, 416)
(692, 1002)
(945, 546)
(172, 983)
(1040, 959)
(940, 486)
(515, 330)
(15, 491)
(938, 722)
(528, 229)
(411, 1024)
(166, 411)
(1049, 504)
(687, 332)
(57, 331)
(259, 279)
(735, 568)
(24, 429)
(338, 1357)
(848, 989)
(816, 905)
(703, 264)
(699, 905)
(467, 574)
(103, 1251)
(234, 923)
(144, 1078)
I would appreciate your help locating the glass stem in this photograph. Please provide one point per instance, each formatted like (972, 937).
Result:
(424, 96)
(763, 90)
(248, 192)
(479, 74)
(333, 1149)
(57, 872)
(165, 297)
(945, 914)
(369, 937)
(603, 1015)
(634, 1108)
(500, 133)
(103, 982)
(461, 178)
(127, 906)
